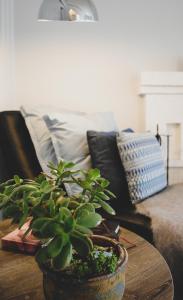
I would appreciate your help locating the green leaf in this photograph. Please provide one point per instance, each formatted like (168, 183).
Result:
(27, 231)
(52, 166)
(73, 204)
(69, 224)
(23, 220)
(93, 174)
(56, 245)
(51, 207)
(86, 185)
(38, 211)
(66, 174)
(96, 205)
(81, 210)
(16, 217)
(83, 230)
(9, 189)
(3, 200)
(69, 165)
(103, 196)
(46, 187)
(6, 183)
(39, 223)
(51, 229)
(90, 221)
(46, 228)
(64, 258)
(41, 255)
(39, 179)
(17, 179)
(64, 213)
(10, 211)
(88, 206)
(104, 183)
(110, 193)
(106, 207)
(60, 167)
(25, 213)
(82, 244)
(22, 189)
(63, 202)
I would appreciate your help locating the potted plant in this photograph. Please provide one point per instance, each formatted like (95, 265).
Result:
(75, 263)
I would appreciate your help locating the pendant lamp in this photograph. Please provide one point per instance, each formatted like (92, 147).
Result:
(68, 10)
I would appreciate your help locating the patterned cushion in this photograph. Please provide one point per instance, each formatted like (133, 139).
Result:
(143, 163)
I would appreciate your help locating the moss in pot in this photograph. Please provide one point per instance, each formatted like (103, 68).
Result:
(75, 263)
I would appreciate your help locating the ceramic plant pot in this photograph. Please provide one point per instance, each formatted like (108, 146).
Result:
(106, 287)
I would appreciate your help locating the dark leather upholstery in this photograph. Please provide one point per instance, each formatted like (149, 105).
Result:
(17, 153)
(137, 223)
(17, 156)
(105, 157)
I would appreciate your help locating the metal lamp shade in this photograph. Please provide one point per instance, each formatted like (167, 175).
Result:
(68, 10)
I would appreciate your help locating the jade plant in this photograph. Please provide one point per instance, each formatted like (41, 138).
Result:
(62, 223)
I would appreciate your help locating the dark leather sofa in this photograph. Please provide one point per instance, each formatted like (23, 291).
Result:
(18, 156)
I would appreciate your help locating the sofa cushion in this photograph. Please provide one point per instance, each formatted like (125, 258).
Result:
(143, 163)
(68, 133)
(165, 211)
(40, 135)
(105, 156)
(60, 134)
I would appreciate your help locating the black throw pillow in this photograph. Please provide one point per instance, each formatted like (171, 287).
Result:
(105, 157)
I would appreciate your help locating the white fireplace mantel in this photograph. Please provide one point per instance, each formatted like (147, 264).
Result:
(161, 83)
(163, 98)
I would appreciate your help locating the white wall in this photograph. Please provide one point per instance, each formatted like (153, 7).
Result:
(7, 52)
(96, 66)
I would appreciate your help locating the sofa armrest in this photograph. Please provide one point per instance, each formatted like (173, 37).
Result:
(137, 223)
(17, 153)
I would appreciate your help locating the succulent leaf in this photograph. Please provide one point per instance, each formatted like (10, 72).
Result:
(93, 174)
(84, 209)
(56, 245)
(81, 243)
(69, 224)
(64, 258)
(90, 221)
(106, 207)
(83, 230)
(41, 255)
(50, 229)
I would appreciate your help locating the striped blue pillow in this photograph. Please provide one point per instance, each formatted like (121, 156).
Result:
(143, 163)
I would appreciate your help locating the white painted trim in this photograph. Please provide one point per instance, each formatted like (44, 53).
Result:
(160, 90)
(162, 78)
(176, 164)
(161, 83)
(160, 86)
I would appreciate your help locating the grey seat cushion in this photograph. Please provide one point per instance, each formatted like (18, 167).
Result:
(166, 213)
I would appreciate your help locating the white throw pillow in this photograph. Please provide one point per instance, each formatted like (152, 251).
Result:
(68, 133)
(40, 135)
(61, 134)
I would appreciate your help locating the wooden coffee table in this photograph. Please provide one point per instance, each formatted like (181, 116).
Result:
(147, 276)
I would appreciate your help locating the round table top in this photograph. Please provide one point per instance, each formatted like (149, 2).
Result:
(147, 275)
